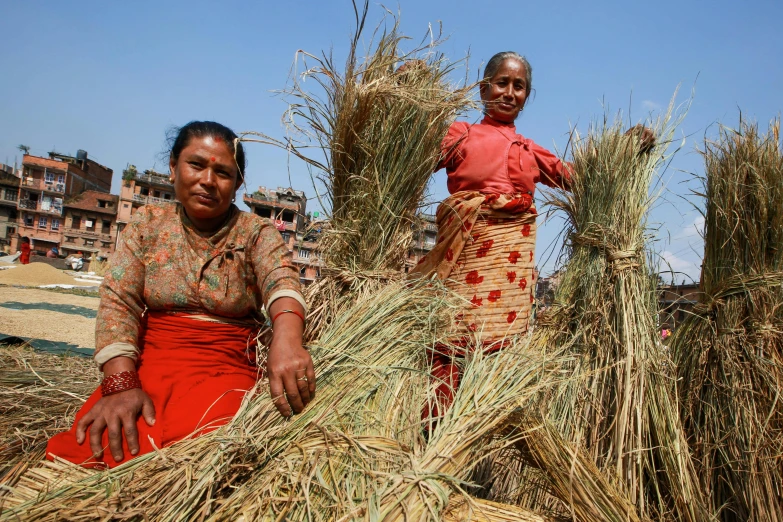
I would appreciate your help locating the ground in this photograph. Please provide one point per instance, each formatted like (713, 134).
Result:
(43, 314)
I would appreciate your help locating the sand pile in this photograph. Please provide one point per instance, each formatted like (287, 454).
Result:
(37, 274)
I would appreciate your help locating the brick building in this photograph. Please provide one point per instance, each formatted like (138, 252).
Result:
(45, 184)
(9, 195)
(286, 208)
(139, 189)
(425, 234)
(675, 302)
(90, 224)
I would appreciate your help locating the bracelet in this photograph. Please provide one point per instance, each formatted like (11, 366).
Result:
(278, 314)
(120, 382)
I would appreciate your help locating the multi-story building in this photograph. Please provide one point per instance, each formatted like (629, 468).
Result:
(425, 234)
(9, 194)
(286, 208)
(141, 188)
(45, 184)
(90, 224)
(675, 302)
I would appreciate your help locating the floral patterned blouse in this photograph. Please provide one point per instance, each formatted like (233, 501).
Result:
(164, 264)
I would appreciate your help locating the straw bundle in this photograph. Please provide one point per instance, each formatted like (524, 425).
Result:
(619, 411)
(39, 395)
(729, 353)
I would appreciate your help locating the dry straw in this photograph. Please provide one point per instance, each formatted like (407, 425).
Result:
(618, 413)
(729, 352)
(39, 396)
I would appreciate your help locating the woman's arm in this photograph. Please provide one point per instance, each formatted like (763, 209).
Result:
(289, 365)
(116, 339)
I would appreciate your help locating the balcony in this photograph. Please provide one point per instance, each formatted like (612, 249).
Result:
(39, 184)
(146, 200)
(86, 234)
(28, 204)
(52, 208)
(155, 179)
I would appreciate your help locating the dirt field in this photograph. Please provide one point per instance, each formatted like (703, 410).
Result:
(31, 312)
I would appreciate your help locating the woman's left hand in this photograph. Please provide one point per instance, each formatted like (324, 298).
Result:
(289, 366)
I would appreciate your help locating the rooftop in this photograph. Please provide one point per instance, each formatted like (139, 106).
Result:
(89, 200)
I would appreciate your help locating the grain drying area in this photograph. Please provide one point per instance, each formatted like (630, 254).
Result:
(588, 417)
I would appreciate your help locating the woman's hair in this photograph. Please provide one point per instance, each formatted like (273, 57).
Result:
(180, 138)
(25, 239)
(496, 61)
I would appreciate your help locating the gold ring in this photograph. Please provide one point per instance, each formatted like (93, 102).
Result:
(305, 379)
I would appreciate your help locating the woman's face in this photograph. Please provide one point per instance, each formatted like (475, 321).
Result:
(506, 92)
(205, 181)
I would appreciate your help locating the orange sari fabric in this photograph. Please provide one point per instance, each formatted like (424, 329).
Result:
(196, 373)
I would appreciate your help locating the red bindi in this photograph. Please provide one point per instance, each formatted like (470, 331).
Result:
(212, 158)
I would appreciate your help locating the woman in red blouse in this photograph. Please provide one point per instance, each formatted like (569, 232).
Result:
(180, 309)
(487, 227)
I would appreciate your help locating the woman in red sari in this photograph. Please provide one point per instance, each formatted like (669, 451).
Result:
(180, 308)
(487, 226)
(24, 251)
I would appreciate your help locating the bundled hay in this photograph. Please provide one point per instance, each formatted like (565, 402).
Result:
(39, 396)
(619, 412)
(378, 126)
(729, 352)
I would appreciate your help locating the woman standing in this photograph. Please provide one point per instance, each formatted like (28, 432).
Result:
(24, 251)
(180, 308)
(487, 227)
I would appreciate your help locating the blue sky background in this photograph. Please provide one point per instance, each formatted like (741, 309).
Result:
(111, 77)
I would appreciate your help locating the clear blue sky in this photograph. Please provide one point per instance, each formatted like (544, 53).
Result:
(111, 77)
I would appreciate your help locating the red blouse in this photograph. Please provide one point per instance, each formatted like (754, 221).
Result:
(490, 157)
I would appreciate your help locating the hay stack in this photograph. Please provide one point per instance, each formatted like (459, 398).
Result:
(39, 396)
(617, 417)
(729, 353)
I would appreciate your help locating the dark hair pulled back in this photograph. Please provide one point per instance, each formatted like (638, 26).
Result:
(181, 137)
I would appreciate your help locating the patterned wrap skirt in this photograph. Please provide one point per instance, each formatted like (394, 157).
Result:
(486, 254)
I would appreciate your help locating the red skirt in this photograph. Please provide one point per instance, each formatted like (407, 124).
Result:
(196, 373)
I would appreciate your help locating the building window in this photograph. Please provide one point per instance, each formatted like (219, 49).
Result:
(41, 222)
(89, 224)
(89, 242)
(55, 224)
(49, 177)
(61, 178)
(156, 194)
(102, 203)
(11, 194)
(28, 220)
(304, 253)
(70, 239)
(76, 222)
(303, 272)
(10, 231)
(286, 237)
(166, 196)
(144, 191)
(106, 227)
(105, 244)
(288, 216)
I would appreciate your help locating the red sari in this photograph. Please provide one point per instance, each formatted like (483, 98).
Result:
(195, 371)
(24, 257)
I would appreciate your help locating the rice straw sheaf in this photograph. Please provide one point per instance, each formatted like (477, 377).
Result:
(729, 352)
(619, 409)
(39, 395)
(380, 339)
(372, 132)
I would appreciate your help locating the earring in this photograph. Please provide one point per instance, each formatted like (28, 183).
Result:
(171, 180)
(233, 199)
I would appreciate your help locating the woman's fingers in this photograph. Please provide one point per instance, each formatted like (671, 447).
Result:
(310, 372)
(303, 385)
(278, 396)
(82, 425)
(96, 434)
(115, 438)
(292, 392)
(131, 434)
(148, 411)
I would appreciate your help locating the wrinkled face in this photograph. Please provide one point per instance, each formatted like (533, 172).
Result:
(205, 181)
(506, 92)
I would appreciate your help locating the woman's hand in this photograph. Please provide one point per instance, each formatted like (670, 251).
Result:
(645, 135)
(118, 413)
(289, 366)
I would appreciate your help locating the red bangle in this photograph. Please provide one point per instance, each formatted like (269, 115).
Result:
(278, 314)
(120, 382)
